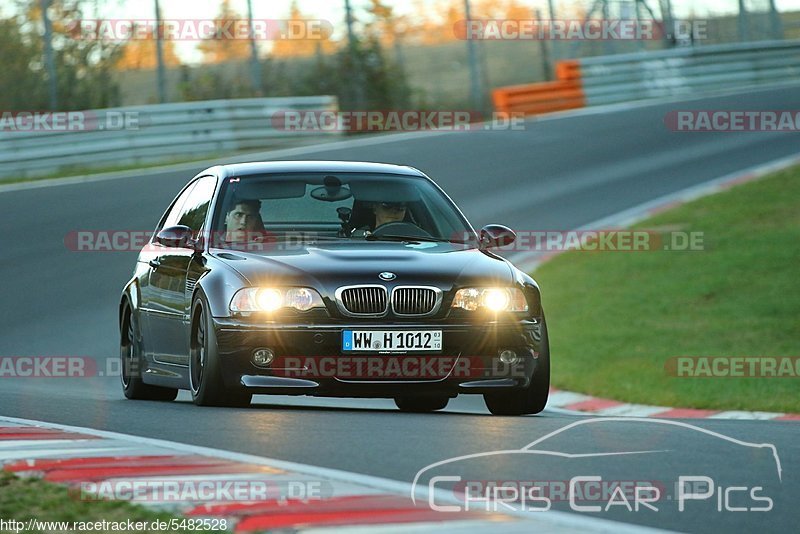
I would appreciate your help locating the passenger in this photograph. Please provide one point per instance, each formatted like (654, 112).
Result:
(243, 223)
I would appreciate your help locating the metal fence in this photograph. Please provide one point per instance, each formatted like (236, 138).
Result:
(153, 133)
(686, 71)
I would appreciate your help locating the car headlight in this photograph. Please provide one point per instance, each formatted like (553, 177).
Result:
(270, 299)
(496, 299)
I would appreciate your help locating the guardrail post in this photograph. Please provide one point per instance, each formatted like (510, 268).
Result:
(162, 91)
(48, 56)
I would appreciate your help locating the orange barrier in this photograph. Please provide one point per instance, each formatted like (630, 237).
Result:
(531, 99)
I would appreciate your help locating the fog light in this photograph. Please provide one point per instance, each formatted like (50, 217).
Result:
(508, 356)
(263, 357)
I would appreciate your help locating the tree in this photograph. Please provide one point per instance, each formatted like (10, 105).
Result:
(21, 85)
(383, 24)
(301, 47)
(212, 84)
(141, 54)
(83, 66)
(385, 86)
(222, 47)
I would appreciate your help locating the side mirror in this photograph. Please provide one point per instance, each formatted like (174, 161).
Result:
(496, 235)
(175, 236)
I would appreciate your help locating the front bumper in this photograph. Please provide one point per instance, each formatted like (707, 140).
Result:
(309, 359)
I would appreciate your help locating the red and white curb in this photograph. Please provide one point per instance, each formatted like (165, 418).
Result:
(585, 404)
(577, 403)
(84, 458)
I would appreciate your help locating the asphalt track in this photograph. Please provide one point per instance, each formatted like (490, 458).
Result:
(556, 175)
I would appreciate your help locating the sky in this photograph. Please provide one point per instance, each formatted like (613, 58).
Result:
(333, 10)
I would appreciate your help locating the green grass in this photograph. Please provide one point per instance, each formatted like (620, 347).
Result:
(615, 318)
(22, 499)
(82, 170)
(87, 171)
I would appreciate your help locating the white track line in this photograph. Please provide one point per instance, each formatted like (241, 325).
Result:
(28, 454)
(564, 398)
(761, 416)
(630, 410)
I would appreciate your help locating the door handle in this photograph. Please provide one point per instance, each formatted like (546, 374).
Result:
(155, 263)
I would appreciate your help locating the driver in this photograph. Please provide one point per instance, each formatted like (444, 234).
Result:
(389, 212)
(384, 213)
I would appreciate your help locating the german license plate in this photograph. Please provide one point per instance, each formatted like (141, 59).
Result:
(391, 340)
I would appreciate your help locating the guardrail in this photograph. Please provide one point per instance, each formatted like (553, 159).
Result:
(153, 133)
(564, 93)
(647, 75)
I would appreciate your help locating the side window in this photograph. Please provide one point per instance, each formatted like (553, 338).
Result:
(194, 210)
(174, 214)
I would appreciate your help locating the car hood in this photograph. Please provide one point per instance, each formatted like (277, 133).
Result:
(328, 267)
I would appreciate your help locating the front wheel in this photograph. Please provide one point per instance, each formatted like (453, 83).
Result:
(131, 362)
(205, 376)
(421, 404)
(531, 399)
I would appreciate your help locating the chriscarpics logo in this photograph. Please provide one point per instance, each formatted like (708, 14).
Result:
(614, 465)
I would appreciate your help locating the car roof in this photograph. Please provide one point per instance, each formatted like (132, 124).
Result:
(269, 167)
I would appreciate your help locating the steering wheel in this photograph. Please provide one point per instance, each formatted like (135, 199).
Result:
(400, 228)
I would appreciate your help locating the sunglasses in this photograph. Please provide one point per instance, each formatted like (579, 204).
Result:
(397, 206)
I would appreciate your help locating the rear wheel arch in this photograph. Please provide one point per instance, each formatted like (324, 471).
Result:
(130, 298)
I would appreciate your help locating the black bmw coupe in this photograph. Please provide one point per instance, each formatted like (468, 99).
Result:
(326, 278)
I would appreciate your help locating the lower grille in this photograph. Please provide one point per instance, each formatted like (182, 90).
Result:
(364, 300)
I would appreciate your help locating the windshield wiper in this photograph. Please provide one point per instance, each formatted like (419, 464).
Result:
(410, 239)
(307, 238)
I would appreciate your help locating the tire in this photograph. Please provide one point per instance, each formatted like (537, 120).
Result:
(131, 364)
(531, 399)
(421, 404)
(205, 376)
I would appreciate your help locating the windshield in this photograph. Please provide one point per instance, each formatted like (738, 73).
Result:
(335, 207)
